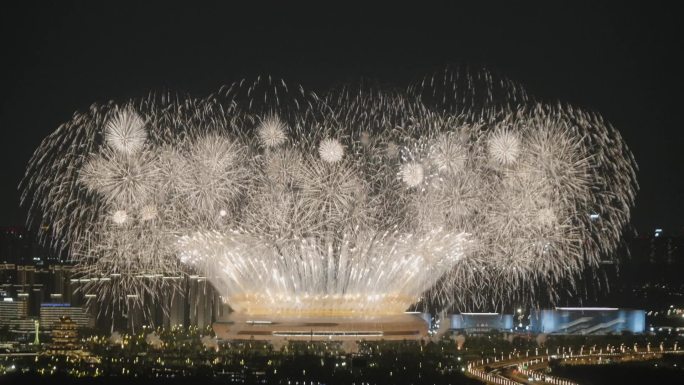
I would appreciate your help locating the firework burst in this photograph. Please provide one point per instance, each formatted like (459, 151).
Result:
(352, 203)
(125, 132)
(272, 132)
(331, 150)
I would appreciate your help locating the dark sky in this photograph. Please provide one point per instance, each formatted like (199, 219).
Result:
(622, 61)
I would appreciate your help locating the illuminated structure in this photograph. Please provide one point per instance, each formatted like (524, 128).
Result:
(408, 326)
(588, 320)
(474, 323)
(64, 336)
(52, 313)
(36, 332)
(11, 311)
(65, 342)
(351, 206)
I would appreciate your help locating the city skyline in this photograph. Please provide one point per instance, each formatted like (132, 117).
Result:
(292, 193)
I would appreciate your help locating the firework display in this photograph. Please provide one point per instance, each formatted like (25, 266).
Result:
(460, 189)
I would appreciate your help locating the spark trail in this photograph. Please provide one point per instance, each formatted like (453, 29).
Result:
(460, 189)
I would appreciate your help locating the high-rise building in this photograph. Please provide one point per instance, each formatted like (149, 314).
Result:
(11, 311)
(46, 284)
(51, 313)
(201, 298)
(176, 310)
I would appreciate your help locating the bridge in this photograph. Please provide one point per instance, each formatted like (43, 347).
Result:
(518, 369)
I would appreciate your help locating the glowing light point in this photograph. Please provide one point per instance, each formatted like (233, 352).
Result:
(119, 217)
(125, 132)
(504, 147)
(331, 150)
(412, 174)
(448, 154)
(271, 132)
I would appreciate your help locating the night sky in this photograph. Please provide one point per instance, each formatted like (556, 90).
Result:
(623, 62)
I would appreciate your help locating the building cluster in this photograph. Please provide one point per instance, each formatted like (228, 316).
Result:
(33, 280)
(38, 288)
(561, 320)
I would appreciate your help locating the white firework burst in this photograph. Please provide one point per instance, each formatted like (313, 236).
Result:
(394, 269)
(119, 217)
(213, 175)
(283, 166)
(271, 132)
(120, 179)
(504, 147)
(125, 132)
(448, 154)
(412, 173)
(331, 150)
(331, 193)
(281, 220)
(148, 212)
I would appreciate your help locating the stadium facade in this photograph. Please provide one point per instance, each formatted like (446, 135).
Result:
(237, 326)
(474, 323)
(587, 320)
